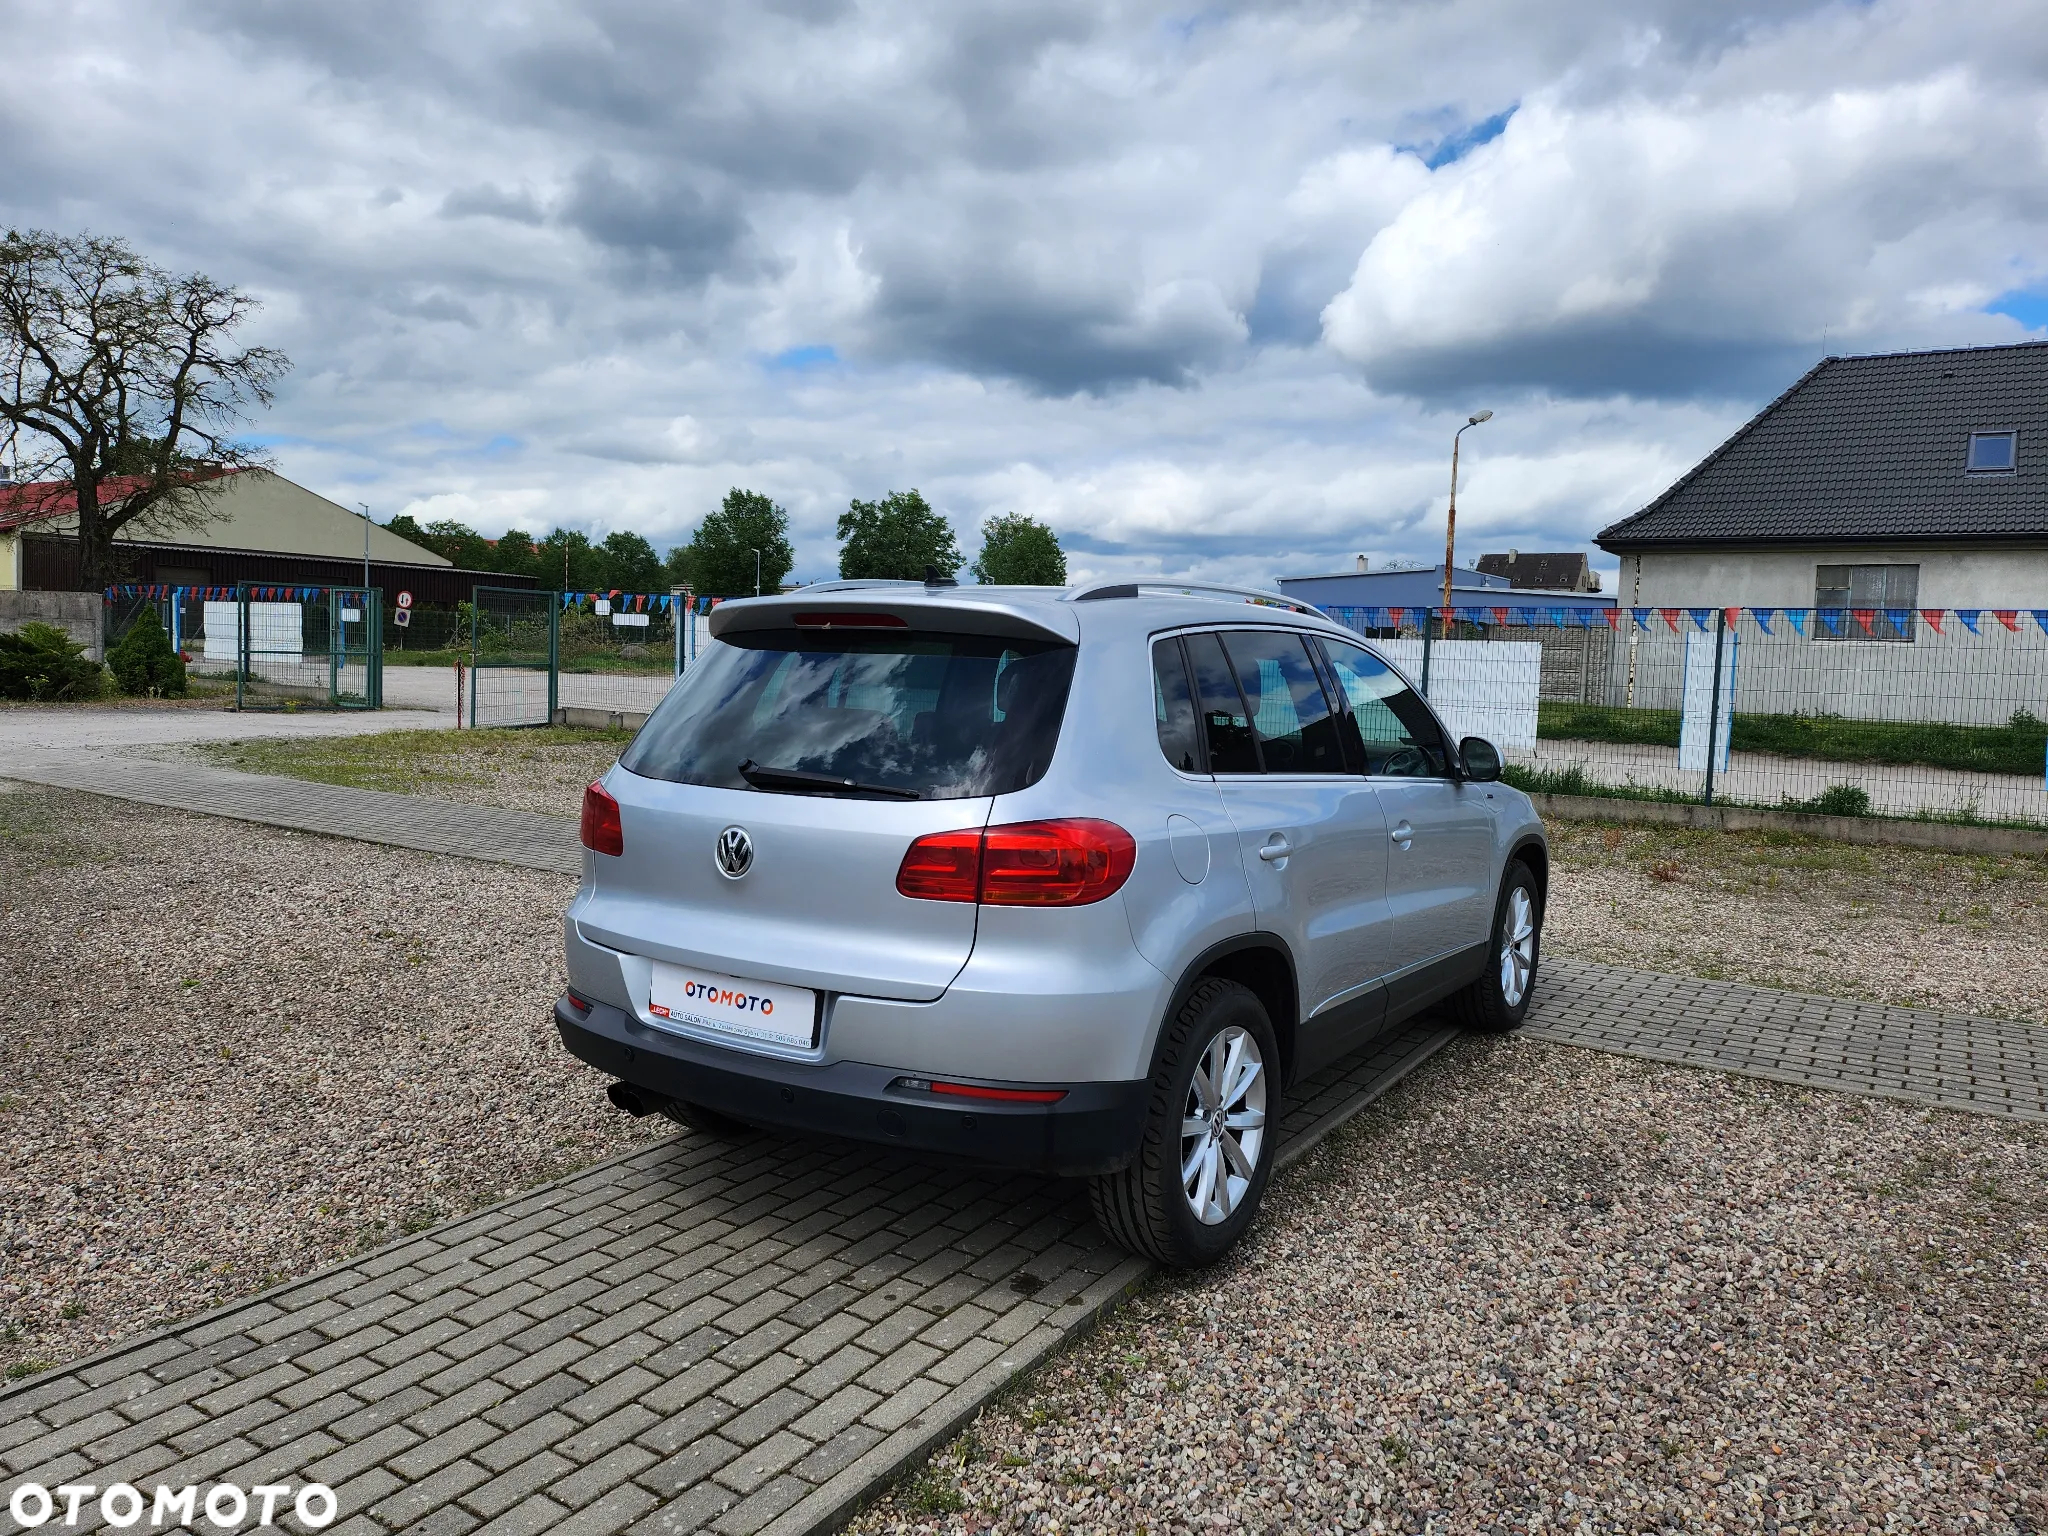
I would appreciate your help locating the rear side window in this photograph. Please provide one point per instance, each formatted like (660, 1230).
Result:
(1173, 708)
(1290, 715)
(1397, 735)
(1226, 728)
(891, 714)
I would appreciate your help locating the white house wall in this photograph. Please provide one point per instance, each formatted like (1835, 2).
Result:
(1784, 578)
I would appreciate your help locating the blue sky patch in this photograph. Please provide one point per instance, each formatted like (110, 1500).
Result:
(1453, 147)
(803, 359)
(2029, 306)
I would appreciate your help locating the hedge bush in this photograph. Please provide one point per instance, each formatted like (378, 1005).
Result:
(143, 661)
(42, 662)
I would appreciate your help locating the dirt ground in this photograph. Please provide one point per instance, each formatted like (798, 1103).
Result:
(1546, 1289)
(542, 770)
(1962, 932)
(234, 1054)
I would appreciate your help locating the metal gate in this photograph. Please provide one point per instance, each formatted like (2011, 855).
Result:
(515, 650)
(308, 647)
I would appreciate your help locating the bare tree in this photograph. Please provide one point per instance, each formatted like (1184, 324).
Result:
(121, 384)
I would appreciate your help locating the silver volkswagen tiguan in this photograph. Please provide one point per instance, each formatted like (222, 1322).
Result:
(1074, 880)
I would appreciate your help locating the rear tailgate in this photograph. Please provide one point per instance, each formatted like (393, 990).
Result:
(818, 907)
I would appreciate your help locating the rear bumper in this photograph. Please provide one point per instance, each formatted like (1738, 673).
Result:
(1094, 1129)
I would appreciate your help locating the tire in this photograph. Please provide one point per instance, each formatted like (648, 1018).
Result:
(1499, 1000)
(700, 1117)
(1148, 1208)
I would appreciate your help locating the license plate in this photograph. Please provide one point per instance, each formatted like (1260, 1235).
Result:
(752, 1010)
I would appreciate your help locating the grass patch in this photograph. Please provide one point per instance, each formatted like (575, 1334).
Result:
(2017, 747)
(403, 762)
(1574, 780)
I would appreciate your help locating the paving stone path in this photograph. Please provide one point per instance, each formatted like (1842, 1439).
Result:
(706, 1335)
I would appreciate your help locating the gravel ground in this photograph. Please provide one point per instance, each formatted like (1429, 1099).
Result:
(541, 770)
(1539, 1289)
(1890, 925)
(235, 1054)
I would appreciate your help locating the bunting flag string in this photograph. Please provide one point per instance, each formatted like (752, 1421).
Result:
(1796, 617)
(1970, 616)
(2009, 617)
(2041, 618)
(1613, 616)
(1863, 617)
(1699, 618)
(1832, 617)
(1933, 618)
(1763, 618)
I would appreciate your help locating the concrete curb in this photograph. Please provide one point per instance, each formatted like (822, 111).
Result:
(1870, 831)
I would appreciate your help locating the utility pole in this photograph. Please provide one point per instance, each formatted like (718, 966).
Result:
(366, 541)
(757, 573)
(1451, 521)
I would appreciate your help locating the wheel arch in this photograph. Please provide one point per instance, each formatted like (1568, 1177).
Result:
(1261, 964)
(1535, 853)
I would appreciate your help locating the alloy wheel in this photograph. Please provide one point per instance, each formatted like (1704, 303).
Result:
(1517, 946)
(1223, 1125)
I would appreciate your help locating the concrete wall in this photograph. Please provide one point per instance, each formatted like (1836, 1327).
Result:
(1784, 578)
(76, 613)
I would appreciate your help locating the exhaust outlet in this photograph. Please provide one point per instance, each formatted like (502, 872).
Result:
(637, 1102)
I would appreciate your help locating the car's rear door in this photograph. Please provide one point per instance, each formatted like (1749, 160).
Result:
(1312, 837)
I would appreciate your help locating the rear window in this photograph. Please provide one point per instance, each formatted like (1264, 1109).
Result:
(889, 715)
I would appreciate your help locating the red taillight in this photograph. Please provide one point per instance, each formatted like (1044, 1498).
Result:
(945, 866)
(1066, 863)
(601, 830)
(1001, 1095)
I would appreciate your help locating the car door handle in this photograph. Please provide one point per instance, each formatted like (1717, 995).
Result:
(1275, 850)
(1402, 834)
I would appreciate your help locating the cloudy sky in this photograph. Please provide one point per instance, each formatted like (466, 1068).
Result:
(1206, 289)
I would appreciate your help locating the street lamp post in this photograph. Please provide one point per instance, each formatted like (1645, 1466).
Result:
(1451, 521)
(366, 541)
(757, 573)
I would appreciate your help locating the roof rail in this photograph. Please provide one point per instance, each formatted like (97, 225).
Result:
(1257, 595)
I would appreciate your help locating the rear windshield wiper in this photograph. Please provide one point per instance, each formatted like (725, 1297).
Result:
(796, 778)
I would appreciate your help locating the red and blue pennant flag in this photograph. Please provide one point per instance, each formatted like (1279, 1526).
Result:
(2009, 617)
(2041, 618)
(1970, 616)
(1832, 617)
(1863, 616)
(1699, 618)
(1613, 616)
(1933, 618)
(1763, 618)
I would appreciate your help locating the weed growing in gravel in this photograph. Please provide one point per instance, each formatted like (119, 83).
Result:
(71, 1310)
(1395, 1450)
(21, 1369)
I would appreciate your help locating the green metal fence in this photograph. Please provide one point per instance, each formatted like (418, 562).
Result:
(308, 647)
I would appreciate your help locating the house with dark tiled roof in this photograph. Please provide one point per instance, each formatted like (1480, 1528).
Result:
(1908, 480)
(1556, 571)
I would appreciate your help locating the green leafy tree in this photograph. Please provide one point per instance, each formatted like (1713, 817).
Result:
(143, 661)
(897, 538)
(459, 544)
(631, 564)
(720, 554)
(1018, 551)
(569, 561)
(515, 554)
(40, 661)
(680, 568)
(407, 528)
(122, 386)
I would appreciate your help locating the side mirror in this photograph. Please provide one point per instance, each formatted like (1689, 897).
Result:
(1480, 758)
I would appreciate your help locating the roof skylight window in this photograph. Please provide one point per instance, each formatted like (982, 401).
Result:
(1994, 453)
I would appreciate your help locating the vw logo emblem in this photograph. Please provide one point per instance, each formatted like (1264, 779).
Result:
(735, 852)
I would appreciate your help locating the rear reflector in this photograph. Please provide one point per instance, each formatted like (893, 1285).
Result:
(850, 621)
(970, 1091)
(1070, 862)
(601, 830)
